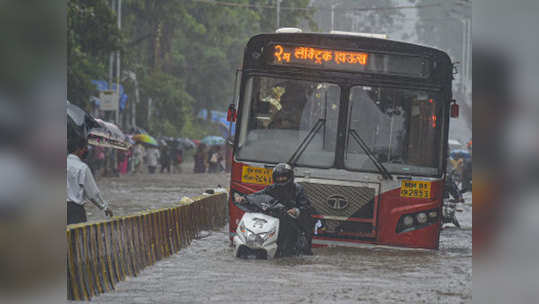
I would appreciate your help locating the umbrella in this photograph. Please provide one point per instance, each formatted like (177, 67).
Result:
(130, 139)
(145, 139)
(170, 141)
(108, 135)
(459, 153)
(213, 140)
(79, 123)
(186, 143)
(79, 117)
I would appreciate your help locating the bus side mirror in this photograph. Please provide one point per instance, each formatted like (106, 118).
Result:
(454, 109)
(231, 114)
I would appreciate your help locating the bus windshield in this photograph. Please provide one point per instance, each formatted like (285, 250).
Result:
(401, 127)
(389, 130)
(277, 116)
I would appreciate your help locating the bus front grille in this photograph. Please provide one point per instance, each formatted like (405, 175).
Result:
(341, 206)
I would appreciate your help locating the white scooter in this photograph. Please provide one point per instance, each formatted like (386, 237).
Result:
(258, 228)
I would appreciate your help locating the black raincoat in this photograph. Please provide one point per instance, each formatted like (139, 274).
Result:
(292, 196)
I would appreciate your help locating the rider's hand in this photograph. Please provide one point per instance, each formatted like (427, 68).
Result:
(108, 212)
(294, 212)
(239, 199)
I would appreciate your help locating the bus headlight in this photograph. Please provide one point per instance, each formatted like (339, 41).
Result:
(421, 217)
(417, 220)
(408, 221)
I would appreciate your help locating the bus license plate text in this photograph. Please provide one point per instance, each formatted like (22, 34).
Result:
(254, 175)
(415, 189)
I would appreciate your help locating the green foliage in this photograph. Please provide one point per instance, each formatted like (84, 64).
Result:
(91, 35)
(184, 54)
(197, 128)
(170, 103)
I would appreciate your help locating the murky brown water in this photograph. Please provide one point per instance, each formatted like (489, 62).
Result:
(207, 272)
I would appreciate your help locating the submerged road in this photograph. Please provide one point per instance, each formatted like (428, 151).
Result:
(207, 272)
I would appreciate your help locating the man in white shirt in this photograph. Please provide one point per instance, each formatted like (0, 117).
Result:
(81, 185)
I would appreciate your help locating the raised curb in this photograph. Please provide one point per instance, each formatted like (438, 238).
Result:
(99, 254)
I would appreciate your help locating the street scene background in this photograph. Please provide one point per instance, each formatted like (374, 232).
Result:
(208, 272)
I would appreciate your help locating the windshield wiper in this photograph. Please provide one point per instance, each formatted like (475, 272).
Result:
(370, 154)
(306, 141)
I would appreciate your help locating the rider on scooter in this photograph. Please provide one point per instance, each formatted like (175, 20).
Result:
(292, 195)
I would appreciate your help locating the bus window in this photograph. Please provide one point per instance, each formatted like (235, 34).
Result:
(399, 126)
(280, 113)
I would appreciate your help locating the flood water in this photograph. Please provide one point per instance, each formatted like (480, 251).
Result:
(207, 271)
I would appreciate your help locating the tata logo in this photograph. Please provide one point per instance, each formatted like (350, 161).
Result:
(337, 202)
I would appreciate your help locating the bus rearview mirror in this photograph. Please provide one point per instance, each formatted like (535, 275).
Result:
(231, 114)
(454, 110)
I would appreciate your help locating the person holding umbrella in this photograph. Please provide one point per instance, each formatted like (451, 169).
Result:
(81, 185)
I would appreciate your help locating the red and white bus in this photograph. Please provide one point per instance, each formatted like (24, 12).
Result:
(364, 122)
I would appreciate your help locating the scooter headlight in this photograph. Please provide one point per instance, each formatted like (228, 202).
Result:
(250, 235)
(266, 235)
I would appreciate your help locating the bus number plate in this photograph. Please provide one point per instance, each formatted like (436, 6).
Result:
(415, 189)
(254, 175)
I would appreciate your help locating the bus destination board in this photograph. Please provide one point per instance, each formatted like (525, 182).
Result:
(344, 60)
(311, 55)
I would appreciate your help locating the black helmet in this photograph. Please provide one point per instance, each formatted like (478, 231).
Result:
(283, 175)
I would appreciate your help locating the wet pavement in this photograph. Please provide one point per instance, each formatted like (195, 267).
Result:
(207, 272)
(133, 193)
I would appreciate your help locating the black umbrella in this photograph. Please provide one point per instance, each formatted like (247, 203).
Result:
(79, 123)
(171, 142)
(185, 143)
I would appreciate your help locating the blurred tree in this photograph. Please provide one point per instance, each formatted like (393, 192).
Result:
(350, 16)
(91, 35)
(171, 104)
(293, 13)
(185, 54)
(436, 27)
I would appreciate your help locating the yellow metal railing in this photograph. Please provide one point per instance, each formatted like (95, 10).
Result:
(102, 253)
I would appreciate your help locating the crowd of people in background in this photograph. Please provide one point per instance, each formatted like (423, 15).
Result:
(136, 160)
(208, 160)
(142, 158)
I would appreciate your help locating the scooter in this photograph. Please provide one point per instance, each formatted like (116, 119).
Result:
(258, 229)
